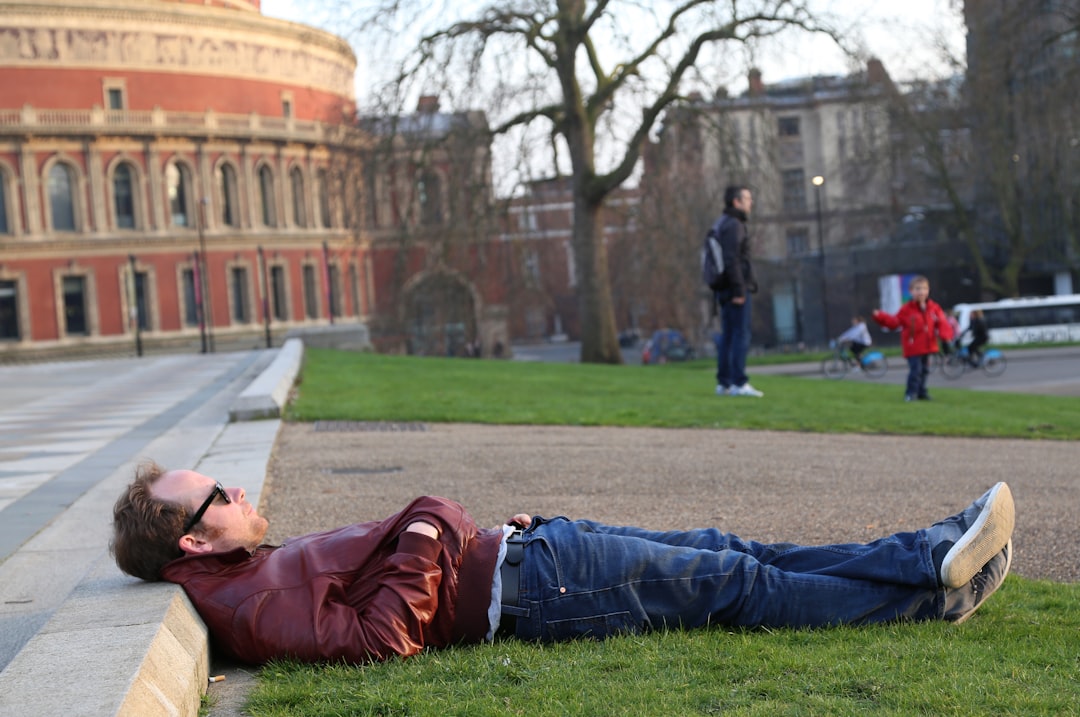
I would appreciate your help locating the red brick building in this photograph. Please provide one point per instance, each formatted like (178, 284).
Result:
(140, 136)
(441, 284)
(538, 232)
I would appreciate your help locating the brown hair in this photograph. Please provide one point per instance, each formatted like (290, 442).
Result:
(146, 531)
(918, 279)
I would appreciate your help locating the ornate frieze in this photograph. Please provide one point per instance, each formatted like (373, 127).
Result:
(249, 47)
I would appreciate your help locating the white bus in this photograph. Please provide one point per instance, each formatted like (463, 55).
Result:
(1036, 319)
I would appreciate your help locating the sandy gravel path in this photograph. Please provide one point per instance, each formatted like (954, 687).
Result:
(766, 486)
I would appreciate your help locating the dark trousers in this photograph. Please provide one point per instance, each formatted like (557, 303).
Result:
(975, 352)
(734, 344)
(918, 368)
(581, 578)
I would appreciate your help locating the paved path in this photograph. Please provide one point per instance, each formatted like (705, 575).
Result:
(1053, 371)
(763, 485)
(70, 435)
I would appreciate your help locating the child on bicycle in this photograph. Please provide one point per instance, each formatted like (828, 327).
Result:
(921, 322)
(980, 336)
(946, 347)
(857, 338)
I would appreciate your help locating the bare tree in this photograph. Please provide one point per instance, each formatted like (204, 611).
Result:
(591, 76)
(679, 203)
(1002, 147)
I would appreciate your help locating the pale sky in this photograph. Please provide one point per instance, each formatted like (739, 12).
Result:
(904, 39)
(902, 34)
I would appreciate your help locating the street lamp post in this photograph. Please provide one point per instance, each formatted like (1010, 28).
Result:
(135, 316)
(818, 181)
(265, 295)
(206, 325)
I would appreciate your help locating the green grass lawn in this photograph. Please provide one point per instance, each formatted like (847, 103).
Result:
(368, 387)
(1019, 655)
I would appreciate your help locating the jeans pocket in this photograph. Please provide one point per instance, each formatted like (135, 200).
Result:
(593, 626)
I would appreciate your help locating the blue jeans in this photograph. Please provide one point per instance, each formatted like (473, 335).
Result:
(918, 368)
(734, 344)
(581, 578)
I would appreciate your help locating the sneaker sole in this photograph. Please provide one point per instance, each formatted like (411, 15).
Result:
(1008, 564)
(986, 537)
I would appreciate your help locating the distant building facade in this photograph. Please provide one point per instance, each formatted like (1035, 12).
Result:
(168, 171)
(816, 153)
(537, 232)
(456, 270)
(427, 229)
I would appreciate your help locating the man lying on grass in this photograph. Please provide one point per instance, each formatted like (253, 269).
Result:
(429, 577)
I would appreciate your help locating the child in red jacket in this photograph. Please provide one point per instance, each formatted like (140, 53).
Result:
(921, 323)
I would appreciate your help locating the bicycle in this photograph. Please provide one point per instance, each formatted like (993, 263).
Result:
(957, 363)
(872, 363)
(935, 362)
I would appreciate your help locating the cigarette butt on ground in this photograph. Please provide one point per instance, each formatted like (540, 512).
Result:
(216, 678)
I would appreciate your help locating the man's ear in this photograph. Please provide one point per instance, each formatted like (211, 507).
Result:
(193, 545)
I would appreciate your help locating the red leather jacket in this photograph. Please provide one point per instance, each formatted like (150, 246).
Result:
(360, 593)
(919, 328)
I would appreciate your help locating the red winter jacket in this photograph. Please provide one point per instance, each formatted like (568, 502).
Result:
(364, 592)
(920, 329)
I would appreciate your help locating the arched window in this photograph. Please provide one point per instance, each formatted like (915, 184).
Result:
(124, 196)
(429, 192)
(62, 197)
(178, 185)
(322, 189)
(268, 211)
(230, 207)
(296, 184)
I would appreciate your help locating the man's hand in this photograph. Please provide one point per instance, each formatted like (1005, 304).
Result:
(738, 300)
(425, 528)
(522, 519)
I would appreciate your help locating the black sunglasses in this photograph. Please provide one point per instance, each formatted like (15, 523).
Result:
(218, 490)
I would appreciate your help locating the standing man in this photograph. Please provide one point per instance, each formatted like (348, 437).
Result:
(734, 298)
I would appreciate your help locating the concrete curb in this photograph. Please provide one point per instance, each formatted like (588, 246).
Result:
(117, 645)
(267, 394)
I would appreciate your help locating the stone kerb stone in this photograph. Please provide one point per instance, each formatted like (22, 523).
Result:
(267, 394)
(347, 337)
(117, 646)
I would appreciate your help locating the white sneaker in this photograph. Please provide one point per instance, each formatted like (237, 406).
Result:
(721, 391)
(746, 390)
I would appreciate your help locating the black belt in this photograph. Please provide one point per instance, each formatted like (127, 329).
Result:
(510, 572)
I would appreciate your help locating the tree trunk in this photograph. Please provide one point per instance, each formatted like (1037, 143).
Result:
(599, 341)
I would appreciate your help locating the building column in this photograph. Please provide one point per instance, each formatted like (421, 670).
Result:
(283, 191)
(210, 214)
(96, 176)
(157, 199)
(31, 190)
(309, 191)
(247, 188)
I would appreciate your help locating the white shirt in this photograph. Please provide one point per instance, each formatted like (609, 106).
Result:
(858, 333)
(495, 607)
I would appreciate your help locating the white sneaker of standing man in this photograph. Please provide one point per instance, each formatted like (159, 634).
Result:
(746, 390)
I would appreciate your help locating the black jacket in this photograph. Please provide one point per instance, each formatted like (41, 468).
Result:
(735, 246)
